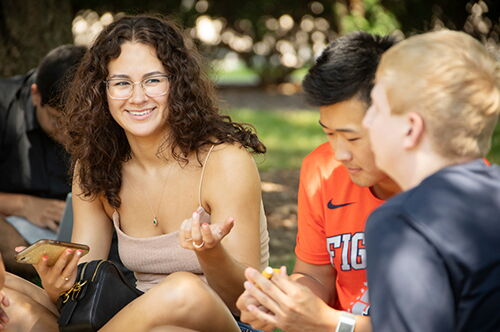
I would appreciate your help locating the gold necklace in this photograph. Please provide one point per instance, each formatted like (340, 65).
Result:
(155, 215)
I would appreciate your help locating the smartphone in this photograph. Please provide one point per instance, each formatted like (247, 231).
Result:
(50, 248)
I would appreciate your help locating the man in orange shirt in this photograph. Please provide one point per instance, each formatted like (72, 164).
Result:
(339, 187)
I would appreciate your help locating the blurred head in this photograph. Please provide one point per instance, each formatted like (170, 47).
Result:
(441, 86)
(187, 114)
(53, 75)
(340, 83)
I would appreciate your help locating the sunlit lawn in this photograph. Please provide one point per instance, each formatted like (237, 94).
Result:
(288, 135)
(291, 135)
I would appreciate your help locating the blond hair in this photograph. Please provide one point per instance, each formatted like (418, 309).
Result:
(452, 81)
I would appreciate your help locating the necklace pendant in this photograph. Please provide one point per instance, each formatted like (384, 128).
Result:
(155, 222)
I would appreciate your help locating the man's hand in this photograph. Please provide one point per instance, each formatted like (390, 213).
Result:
(246, 300)
(43, 212)
(292, 306)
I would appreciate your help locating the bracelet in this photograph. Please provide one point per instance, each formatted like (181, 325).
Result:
(347, 322)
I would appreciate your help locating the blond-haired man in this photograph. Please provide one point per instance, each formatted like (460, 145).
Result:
(434, 250)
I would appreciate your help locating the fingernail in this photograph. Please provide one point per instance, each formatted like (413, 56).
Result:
(247, 285)
(79, 252)
(195, 214)
(45, 258)
(69, 251)
(205, 224)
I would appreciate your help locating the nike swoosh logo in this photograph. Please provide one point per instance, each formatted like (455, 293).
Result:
(333, 206)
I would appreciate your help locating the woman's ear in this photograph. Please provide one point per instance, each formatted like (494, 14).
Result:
(415, 130)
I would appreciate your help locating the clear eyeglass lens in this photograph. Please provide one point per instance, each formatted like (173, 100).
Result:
(123, 89)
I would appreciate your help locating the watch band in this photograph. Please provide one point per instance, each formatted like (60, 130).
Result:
(347, 322)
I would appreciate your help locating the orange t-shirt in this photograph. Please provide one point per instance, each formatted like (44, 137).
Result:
(332, 213)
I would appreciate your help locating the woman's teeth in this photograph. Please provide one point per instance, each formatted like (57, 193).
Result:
(141, 113)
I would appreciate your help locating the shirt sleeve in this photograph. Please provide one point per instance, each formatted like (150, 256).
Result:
(408, 281)
(311, 241)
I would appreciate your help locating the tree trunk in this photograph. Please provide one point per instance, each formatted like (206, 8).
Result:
(29, 29)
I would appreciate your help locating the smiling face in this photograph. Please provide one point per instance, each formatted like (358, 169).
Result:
(342, 123)
(139, 115)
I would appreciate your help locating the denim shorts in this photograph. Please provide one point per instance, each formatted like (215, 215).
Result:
(246, 328)
(30, 232)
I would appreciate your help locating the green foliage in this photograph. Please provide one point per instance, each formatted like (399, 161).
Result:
(376, 18)
(288, 135)
(494, 155)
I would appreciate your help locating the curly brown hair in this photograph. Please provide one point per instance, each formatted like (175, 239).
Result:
(99, 145)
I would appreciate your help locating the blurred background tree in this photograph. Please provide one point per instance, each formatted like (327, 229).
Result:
(29, 29)
(271, 38)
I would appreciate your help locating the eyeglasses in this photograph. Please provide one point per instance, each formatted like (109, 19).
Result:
(153, 86)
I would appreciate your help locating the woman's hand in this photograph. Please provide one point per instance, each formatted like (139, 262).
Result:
(198, 234)
(61, 276)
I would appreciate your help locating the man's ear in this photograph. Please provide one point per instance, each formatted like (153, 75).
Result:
(36, 97)
(415, 130)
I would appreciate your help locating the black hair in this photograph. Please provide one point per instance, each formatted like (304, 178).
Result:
(56, 71)
(346, 69)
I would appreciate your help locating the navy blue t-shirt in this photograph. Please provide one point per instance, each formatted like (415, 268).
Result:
(433, 254)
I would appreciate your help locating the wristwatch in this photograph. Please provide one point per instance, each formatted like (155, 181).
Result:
(346, 323)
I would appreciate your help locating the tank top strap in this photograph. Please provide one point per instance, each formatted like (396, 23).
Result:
(203, 173)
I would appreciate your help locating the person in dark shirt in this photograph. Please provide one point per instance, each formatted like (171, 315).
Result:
(33, 163)
(433, 251)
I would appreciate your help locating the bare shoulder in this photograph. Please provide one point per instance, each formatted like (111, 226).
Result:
(230, 158)
(231, 155)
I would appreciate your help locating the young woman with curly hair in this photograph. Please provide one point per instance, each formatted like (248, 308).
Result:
(153, 159)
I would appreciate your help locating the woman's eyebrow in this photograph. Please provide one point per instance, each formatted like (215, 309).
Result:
(156, 72)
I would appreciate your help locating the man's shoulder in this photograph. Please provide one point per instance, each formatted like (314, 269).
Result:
(9, 87)
(321, 153)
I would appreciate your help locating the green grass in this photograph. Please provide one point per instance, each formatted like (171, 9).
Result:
(241, 75)
(288, 135)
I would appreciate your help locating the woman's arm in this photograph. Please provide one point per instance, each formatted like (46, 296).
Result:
(92, 227)
(232, 188)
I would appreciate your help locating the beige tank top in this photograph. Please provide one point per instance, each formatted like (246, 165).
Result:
(153, 258)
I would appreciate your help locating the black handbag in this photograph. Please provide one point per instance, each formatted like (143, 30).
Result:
(101, 291)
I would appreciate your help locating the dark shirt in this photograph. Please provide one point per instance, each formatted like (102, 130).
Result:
(30, 161)
(433, 254)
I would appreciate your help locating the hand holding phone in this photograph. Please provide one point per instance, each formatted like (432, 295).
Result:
(50, 248)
